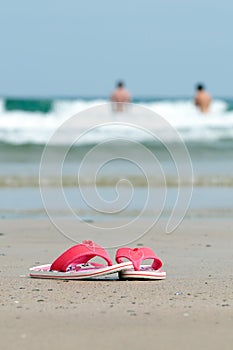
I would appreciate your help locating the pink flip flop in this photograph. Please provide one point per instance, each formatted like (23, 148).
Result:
(74, 264)
(136, 256)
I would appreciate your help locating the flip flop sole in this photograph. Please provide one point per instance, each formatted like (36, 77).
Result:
(38, 272)
(146, 273)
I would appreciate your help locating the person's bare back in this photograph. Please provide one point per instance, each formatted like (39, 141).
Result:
(202, 99)
(120, 97)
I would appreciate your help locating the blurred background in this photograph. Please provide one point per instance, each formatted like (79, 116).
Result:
(60, 58)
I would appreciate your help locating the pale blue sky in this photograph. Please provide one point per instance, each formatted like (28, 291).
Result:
(57, 47)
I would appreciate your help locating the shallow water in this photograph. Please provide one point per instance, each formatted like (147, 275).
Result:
(23, 202)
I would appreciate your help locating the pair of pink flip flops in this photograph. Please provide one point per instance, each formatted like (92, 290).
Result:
(74, 264)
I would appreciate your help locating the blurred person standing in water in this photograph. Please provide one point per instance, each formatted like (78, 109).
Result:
(120, 97)
(202, 99)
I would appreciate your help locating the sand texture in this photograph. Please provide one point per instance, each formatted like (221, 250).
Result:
(191, 309)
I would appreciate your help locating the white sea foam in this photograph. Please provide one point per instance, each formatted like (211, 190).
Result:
(19, 127)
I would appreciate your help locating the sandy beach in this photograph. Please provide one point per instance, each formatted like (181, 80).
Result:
(191, 309)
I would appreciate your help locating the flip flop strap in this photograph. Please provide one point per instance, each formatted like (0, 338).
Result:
(137, 255)
(80, 254)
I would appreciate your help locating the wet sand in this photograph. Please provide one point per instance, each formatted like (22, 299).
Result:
(192, 308)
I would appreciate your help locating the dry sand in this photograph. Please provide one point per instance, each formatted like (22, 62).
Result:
(192, 308)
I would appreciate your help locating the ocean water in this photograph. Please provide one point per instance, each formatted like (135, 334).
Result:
(27, 125)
